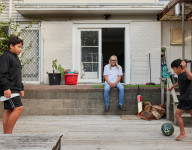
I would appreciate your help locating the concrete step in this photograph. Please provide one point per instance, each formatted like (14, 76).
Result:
(82, 100)
(187, 119)
(177, 93)
(187, 115)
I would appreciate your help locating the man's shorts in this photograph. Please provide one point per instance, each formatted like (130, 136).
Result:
(12, 103)
(185, 105)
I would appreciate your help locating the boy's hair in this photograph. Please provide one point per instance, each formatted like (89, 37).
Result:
(14, 40)
(176, 63)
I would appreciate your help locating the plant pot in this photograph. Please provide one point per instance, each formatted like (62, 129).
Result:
(54, 78)
(71, 79)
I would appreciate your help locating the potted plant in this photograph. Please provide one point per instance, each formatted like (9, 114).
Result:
(55, 77)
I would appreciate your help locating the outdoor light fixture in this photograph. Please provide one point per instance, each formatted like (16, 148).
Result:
(106, 16)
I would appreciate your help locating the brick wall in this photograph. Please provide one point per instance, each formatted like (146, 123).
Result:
(56, 43)
(145, 37)
(60, 101)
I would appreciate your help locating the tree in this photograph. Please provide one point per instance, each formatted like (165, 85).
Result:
(11, 28)
(2, 6)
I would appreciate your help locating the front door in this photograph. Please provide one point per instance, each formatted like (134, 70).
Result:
(87, 55)
(90, 55)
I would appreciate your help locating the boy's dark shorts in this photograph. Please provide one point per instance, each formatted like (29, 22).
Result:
(12, 103)
(185, 105)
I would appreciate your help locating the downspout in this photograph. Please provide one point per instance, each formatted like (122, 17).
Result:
(183, 31)
(10, 9)
(10, 14)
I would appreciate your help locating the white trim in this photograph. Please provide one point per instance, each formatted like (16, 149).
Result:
(78, 54)
(31, 82)
(98, 26)
(36, 9)
(34, 26)
(85, 4)
(75, 43)
(106, 22)
(39, 55)
(127, 56)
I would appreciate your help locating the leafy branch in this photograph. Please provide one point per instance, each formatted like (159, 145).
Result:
(57, 68)
(11, 28)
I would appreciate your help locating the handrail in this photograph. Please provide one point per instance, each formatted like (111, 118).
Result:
(169, 93)
(175, 100)
(173, 93)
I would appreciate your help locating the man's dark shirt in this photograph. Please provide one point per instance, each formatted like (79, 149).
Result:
(184, 87)
(10, 73)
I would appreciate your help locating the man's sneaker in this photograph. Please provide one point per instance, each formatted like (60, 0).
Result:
(122, 108)
(106, 108)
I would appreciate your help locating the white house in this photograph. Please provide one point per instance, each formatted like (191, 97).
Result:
(83, 34)
(171, 30)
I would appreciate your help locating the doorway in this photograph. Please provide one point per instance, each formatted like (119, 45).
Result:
(113, 43)
(107, 40)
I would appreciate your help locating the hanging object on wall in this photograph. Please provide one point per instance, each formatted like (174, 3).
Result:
(177, 9)
(176, 36)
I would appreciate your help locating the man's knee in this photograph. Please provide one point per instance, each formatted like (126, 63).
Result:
(107, 89)
(121, 88)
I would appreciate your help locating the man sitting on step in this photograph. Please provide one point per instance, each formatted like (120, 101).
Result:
(112, 75)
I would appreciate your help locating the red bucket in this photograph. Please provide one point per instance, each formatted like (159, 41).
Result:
(71, 79)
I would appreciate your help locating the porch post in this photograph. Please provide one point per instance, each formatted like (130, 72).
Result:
(183, 32)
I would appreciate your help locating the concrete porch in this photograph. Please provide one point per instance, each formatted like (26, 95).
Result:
(81, 100)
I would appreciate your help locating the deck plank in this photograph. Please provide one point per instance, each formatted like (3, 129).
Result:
(104, 132)
(29, 142)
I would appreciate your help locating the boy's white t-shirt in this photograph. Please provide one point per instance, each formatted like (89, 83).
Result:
(112, 73)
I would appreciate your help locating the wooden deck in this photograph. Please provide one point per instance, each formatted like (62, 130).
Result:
(103, 132)
(30, 142)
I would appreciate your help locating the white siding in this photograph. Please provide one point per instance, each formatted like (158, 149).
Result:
(14, 14)
(145, 37)
(5, 14)
(56, 39)
(175, 51)
(17, 16)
